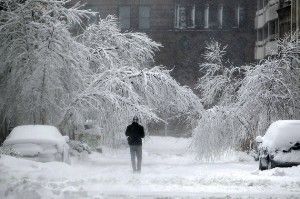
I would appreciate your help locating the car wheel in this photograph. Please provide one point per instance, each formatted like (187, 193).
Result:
(262, 164)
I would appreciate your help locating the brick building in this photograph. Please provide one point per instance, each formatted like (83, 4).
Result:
(184, 26)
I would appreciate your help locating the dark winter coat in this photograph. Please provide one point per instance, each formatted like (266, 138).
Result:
(135, 133)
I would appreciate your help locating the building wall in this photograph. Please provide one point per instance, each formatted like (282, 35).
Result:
(184, 43)
(266, 25)
(274, 19)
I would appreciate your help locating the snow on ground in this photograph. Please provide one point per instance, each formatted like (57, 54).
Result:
(169, 171)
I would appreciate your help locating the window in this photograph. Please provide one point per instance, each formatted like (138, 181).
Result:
(239, 16)
(180, 20)
(184, 16)
(273, 27)
(206, 17)
(124, 15)
(220, 16)
(213, 16)
(285, 28)
(260, 4)
(242, 16)
(265, 30)
(228, 16)
(260, 34)
(199, 16)
(144, 17)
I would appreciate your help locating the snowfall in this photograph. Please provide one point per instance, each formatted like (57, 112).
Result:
(169, 170)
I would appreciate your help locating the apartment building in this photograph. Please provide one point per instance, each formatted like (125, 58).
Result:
(185, 26)
(274, 19)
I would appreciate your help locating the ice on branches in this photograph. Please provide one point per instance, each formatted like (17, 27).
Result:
(241, 104)
(103, 74)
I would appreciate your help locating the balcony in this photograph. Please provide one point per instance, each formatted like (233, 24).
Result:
(266, 47)
(268, 13)
(284, 3)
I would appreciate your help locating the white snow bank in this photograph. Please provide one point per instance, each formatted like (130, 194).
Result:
(180, 150)
(290, 172)
(282, 134)
(167, 172)
(35, 134)
(167, 145)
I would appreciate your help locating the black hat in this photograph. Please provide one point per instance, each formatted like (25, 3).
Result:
(135, 119)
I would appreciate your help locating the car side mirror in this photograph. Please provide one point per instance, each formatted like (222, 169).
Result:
(67, 139)
(259, 139)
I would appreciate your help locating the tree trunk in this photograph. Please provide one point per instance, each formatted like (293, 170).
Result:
(42, 108)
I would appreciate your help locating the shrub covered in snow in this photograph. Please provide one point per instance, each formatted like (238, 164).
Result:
(77, 147)
(218, 131)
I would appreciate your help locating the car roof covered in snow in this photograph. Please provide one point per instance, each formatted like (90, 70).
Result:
(35, 134)
(282, 134)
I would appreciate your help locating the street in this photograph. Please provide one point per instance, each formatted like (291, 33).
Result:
(169, 171)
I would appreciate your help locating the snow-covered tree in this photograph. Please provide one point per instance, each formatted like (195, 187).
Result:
(220, 79)
(218, 132)
(217, 129)
(40, 60)
(268, 91)
(124, 83)
(52, 77)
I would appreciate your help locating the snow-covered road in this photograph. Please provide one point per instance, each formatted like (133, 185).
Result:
(169, 171)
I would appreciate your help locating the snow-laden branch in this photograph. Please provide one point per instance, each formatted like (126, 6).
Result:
(246, 104)
(51, 77)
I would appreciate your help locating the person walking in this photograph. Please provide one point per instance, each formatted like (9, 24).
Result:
(135, 132)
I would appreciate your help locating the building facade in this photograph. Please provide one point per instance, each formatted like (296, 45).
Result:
(274, 19)
(185, 26)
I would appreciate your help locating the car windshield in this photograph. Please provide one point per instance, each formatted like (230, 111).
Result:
(33, 149)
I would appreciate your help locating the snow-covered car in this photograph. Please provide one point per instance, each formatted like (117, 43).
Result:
(39, 142)
(280, 146)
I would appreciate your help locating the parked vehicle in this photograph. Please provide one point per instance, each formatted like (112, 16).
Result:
(280, 146)
(39, 142)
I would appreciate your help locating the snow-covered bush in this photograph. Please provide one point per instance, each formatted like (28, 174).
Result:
(92, 140)
(218, 131)
(5, 150)
(77, 147)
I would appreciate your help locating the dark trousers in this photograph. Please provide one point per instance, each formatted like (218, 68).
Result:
(136, 152)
